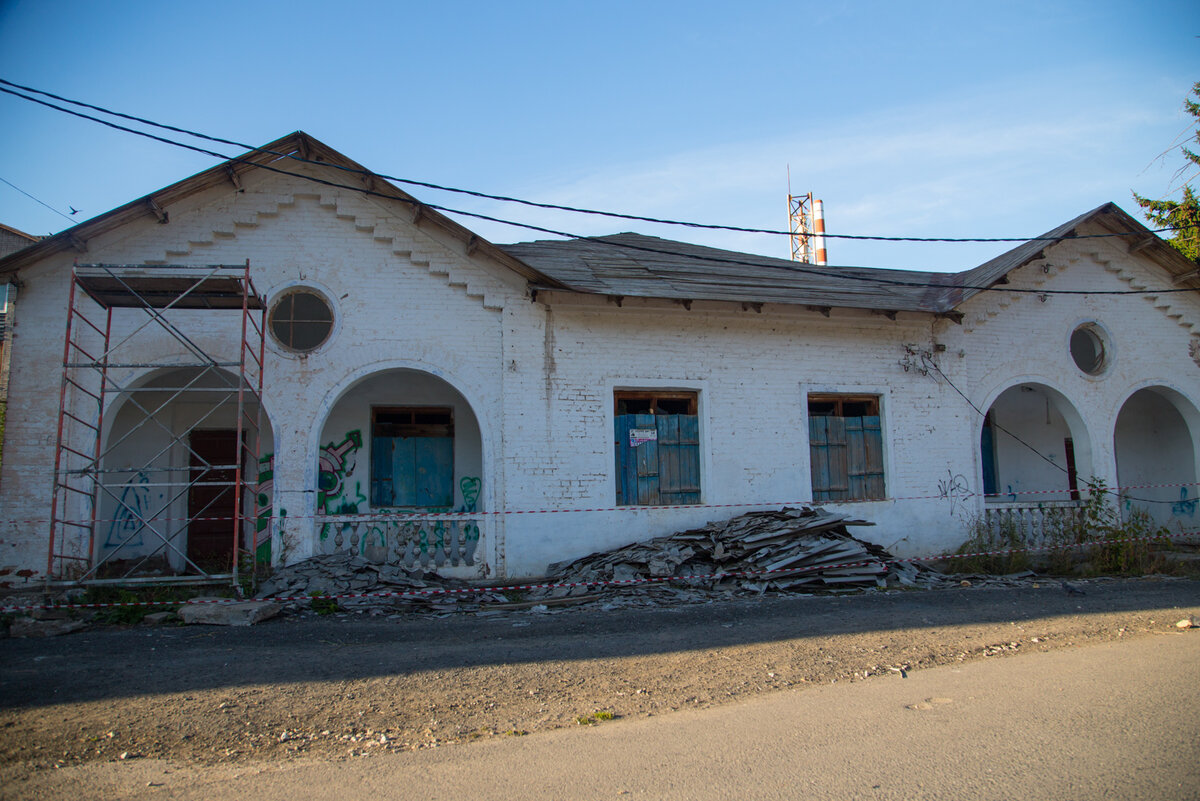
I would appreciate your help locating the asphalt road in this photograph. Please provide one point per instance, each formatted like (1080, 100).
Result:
(1119, 720)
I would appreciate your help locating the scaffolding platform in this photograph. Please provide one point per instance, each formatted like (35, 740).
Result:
(156, 465)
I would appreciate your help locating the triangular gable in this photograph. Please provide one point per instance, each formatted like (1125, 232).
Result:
(1110, 218)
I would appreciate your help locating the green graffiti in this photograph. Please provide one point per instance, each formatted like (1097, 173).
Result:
(470, 486)
(334, 466)
(265, 490)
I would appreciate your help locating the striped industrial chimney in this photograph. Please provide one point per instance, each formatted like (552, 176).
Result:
(819, 229)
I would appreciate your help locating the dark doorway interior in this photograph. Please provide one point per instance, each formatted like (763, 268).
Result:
(212, 530)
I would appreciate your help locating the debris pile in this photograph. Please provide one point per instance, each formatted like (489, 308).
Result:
(782, 550)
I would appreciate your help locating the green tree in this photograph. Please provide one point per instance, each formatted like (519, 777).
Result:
(1183, 214)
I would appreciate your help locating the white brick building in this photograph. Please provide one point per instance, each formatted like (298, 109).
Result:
(413, 369)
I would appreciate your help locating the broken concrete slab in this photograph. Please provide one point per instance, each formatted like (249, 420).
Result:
(221, 612)
(32, 627)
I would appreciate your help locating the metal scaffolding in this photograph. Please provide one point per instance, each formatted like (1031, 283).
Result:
(159, 425)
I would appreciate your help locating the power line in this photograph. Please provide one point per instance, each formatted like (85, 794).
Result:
(532, 203)
(788, 267)
(31, 197)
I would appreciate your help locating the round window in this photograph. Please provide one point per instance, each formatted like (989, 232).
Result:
(1087, 349)
(301, 320)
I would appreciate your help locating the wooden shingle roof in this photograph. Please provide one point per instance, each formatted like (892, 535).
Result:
(633, 265)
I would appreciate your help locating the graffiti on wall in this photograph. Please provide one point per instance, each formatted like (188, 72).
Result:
(954, 489)
(264, 497)
(470, 486)
(335, 466)
(134, 509)
(1184, 507)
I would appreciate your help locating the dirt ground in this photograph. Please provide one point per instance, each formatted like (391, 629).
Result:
(342, 687)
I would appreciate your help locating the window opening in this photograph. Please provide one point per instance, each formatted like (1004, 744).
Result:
(301, 320)
(1087, 349)
(657, 448)
(845, 447)
(412, 456)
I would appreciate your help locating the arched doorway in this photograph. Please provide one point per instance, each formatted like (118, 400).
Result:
(1035, 453)
(400, 473)
(1033, 446)
(184, 480)
(1155, 444)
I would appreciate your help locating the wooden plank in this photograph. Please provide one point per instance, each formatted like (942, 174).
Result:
(381, 471)
(404, 488)
(646, 459)
(856, 458)
(818, 448)
(838, 463)
(873, 457)
(689, 462)
(433, 469)
(668, 456)
(626, 460)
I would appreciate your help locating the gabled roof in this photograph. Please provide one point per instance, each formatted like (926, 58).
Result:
(276, 156)
(632, 265)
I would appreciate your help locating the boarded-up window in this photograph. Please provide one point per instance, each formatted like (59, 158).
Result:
(846, 447)
(412, 456)
(657, 448)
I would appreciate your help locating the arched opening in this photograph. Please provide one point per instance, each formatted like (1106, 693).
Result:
(185, 478)
(1154, 440)
(1035, 454)
(1034, 447)
(400, 473)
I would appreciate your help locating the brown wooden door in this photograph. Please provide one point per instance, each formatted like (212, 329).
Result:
(210, 542)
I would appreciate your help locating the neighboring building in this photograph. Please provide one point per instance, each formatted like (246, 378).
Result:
(563, 397)
(11, 240)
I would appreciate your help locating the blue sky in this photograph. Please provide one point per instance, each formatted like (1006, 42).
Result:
(919, 119)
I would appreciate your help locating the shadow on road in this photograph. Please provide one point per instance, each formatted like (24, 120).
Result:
(107, 663)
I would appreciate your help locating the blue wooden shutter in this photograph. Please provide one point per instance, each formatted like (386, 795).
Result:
(678, 458)
(864, 458)
(846, 458)
(412, 471)
(666, 471)
(827, 456)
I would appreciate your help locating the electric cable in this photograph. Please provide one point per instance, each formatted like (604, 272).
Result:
(550, 206)
(789, 267)
(31, 197)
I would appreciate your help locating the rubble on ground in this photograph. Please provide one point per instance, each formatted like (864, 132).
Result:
(372, 585)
